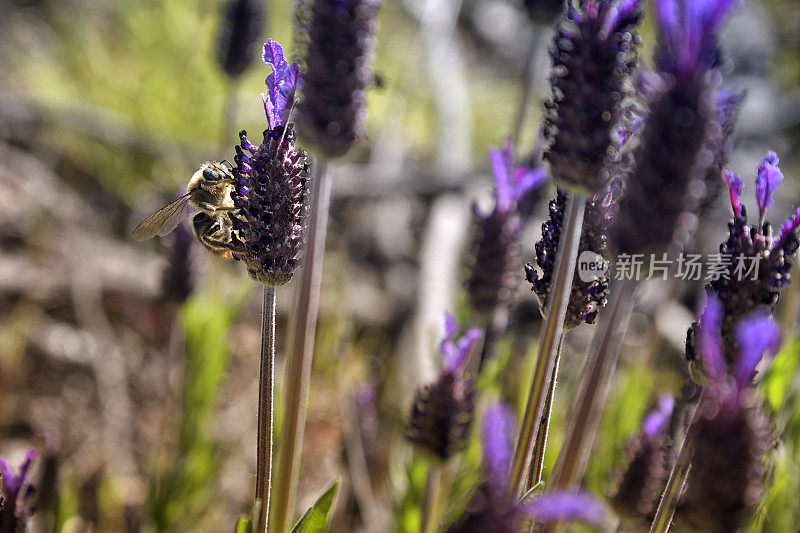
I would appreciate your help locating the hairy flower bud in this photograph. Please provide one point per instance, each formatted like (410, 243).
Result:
(729, 435)
(242, 25)
(441, 415)
(637, 486)
(587, 297)
(272, 182)
(727, 478)
(271, 193)
(332, 111)
(680, 135)
(442, 411)
(594, 56)
(492, 281)
(756, 264)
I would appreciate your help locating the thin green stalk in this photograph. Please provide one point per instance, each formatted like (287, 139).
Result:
(303, 325)
(587, 406)
(431, 510)
(675, 483)
(266, 389)
(537, 463)
(560, 291)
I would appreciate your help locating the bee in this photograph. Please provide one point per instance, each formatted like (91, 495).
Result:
(217, 234)
(209, 190)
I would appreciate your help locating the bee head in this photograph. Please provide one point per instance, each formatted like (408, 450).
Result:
(213, 173)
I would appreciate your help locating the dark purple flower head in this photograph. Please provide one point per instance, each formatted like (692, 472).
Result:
(636, 485)
(594, 56)
(493, 508)
(587, 296)
(688, 34)
(15, 495)
(442, 411)
(282, 83)
(272, 183)
(759, 263)
(333, 108)
(495, 242)
(242, 24)
(729, 434)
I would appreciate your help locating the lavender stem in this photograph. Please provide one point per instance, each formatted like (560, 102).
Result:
(431, 510)
(266, 388)
(302, 332)
(588, 404)
(549, 339)
(537, 463)
(675, 483)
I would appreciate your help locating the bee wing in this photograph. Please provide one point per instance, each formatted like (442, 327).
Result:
(162, 221)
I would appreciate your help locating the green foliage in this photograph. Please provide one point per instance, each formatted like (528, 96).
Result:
(184, 485)
(244, 525)
(315, 520)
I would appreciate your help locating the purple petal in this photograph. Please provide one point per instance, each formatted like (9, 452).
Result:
(735, 188)
(769, 177)
(450, 326)
(502, 183)
(788, 227)
(456, 358)
(757, 334)
(281, 84)
(498, 429)
(526, 179)
(558, 506)
(709, 339)
(11, 482)
(616, 14)
(656, 421)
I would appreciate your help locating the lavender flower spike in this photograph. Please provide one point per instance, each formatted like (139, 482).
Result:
(495, 244)
(682, 133)
(442, 411)
(594, 56)
(730, 436)
(760, 263)
(333, 109)
(494, 509)
(272, 183)
(637, 484)
(15, 505)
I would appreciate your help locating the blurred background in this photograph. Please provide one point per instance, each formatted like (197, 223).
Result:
(132, 367)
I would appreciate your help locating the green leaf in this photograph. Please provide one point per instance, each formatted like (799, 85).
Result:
(244, 525)
(777, 382)
(316, 518)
